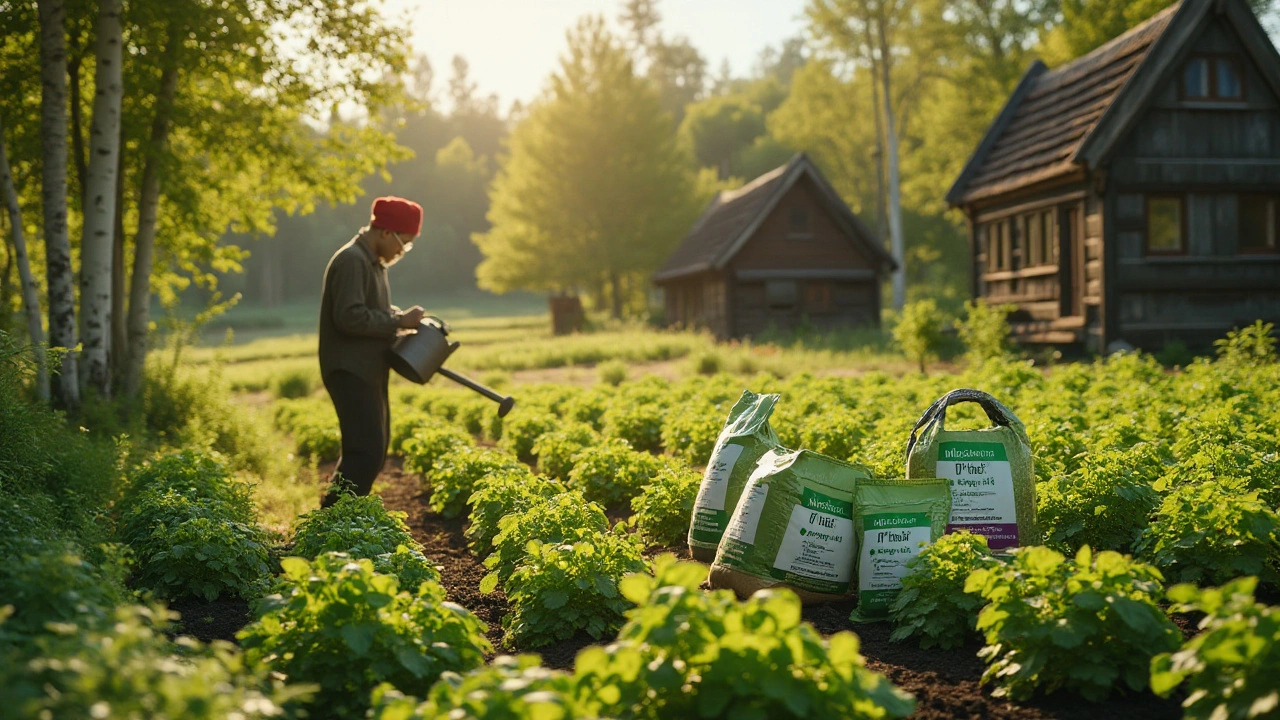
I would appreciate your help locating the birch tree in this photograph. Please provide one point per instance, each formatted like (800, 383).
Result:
(30, 294)
(53, 193)
(100, 201)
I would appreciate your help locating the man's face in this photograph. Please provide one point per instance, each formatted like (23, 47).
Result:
(392, 246)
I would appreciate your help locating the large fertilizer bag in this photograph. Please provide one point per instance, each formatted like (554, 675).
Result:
(993, 482)
(894, 520)
(746, 437)
(792, 528)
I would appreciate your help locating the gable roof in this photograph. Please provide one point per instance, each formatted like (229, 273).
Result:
(735, 215)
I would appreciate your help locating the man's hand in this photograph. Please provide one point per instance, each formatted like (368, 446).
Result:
(412, 317)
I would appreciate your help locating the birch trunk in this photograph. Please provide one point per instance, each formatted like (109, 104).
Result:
(30, 296)
(144, 240)
(119, 338)
(100, 202)
(53, 192)
(896, 243)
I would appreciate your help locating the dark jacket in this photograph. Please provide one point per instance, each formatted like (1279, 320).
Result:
(357, 320)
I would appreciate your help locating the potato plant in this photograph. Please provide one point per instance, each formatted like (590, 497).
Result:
(508, 688)
(430, 444)
(564, 518)
(690, 430)
(612, 472)
(498, 495)
(363, 528)
(663, 509)
(453, 476)
(933, 606)
(555, 450)
(521, 430)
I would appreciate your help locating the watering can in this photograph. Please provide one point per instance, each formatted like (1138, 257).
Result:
(419, 355)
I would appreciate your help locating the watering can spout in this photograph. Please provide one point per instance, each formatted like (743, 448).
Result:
(419, 355)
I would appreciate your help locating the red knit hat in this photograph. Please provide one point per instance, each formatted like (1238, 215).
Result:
(397, 215)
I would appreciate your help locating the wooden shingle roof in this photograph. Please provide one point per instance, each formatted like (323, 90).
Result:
(734, 216)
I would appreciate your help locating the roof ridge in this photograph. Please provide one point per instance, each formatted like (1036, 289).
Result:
(765, 179)
(1114, 42)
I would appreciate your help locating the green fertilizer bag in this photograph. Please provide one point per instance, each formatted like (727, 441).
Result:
(993, 482)
(793, 527)
(893, 521)
(745, 438)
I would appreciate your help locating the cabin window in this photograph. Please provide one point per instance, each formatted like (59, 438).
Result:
(998, 246)
(1258, 224)
(1035, 240)
(817, 297)
(798, 222)
(780, 294)
(1212, 78)
(1165, 232)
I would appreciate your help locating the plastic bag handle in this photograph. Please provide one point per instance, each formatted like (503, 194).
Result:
(938, 410)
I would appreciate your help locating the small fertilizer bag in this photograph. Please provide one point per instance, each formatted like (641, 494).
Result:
(993, 483)
(793, 527)
(745, 438)
(893, 520)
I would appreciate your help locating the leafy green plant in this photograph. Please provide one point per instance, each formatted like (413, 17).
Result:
(1085, 625)
(430, 444)
(508, 688)
(1105, 502)
(360, 526)
(933, 605)
(837, 431)
(1250, 346)
(194, 475)
(636, 419)
(314, 426)
(294, 384)
(47, 581)
(919, 331)
(408, 565)
(1213, 531)
(498, 495)
(587, 407)
(1230, 667)
(684, 653)
(555, 450)
(612, 472)
(984, 332)
(664, 508)
(454, 476)
(521, 430)
(561, 519)
(690, 430)
(406, 423)
(612, 373)
(346, 628)
(559, 590)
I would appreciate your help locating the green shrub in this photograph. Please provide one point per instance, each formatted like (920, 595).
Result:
(430, 444)
(508, 688)
(313, 423)
(706, 362)
(498, 495)
(1211, 532)
(919, 331)
(636, 421)
(520, 431)
(984, 332)
(474, 415)
(836, 432)
(933, 605)
(559, 590)
(684, 653)
(561, 519)
(407, 422)
(612, 373)
(408, 565)
(47, 581)
(342, 626)
(359, 526)
(1250, 346)
(1087, 625)
(611, 472)
(691, 429)
(1104, 503)
(293, 384)
(587, 407)
(664, 508)
(1230, 667)
(195, 475)
(454, 476)
(555, 450)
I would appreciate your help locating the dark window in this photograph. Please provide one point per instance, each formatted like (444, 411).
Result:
(1165, 232)
(1258, 224)
(799, 218)
(817, 297)
(780, 294)
(1212, 78)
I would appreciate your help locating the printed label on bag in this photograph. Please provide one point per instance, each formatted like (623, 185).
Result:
(817, 548)
(981, 491)
(745, 521)
(889, 541)
(709, 513)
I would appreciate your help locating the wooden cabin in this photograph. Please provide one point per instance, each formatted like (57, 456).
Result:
(780, 252)
(1133, 195)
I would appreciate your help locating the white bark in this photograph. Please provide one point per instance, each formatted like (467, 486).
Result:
(30, 296)
(100, 202)
(57, 246)
(896, 242)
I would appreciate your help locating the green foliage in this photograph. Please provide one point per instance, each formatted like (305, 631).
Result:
(520, 431)
(342, 626)
(690, 430)
(564, 518)
(1087, 625)
(984, 332)
(555, 450)
(836, 431)
(637, 421)
(47, 581)
(686, 653)
(1211, 532)
(408, 566)
(1229, 667)
(611, 472)
(294, 384)
(1105, 502)
(359, 526)
(313, 424)
(1249, 346)
(508, 688)
(431, 444)
(454, 476)
(559, 590)
(919, 331)
(499, 495)
(933, 605)
(612, 373)
(663, 509)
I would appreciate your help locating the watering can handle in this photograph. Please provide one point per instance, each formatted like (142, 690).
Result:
(938, 409)
(441, 324)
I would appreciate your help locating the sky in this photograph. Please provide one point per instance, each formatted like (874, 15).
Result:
(513, 45)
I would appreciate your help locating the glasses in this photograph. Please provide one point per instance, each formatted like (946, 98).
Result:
(404, 246)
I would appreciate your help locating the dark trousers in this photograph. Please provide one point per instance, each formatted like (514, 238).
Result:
(364, 418)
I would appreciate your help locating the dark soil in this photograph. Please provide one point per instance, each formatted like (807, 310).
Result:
(206, 621)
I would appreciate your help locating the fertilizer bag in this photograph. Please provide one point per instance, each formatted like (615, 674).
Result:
(993, 482)
(893, 521)
(745, 438)
(793, 527)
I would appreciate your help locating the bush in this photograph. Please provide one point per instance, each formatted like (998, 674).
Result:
(1229, 668)
(47, 581)
(1085, 625)
(636, 421)
(836, 432)
(587, 407)
(612, 473)
(684, 653)
(933, 605)
(509, 688)
(314, 426)
(454, 476)
(293, 384)
(499, 495)
(559, 590)
(561, 519)
(1104, 503)
(520, 431)
(612, 373)
(555, 450)
(195, 475)
(430, 444)
(342, 626)
(1211, 532)
(408, 566)
(691, 429)
(919, 332)
(1251, 346)
(706, 362)
(664, 508)
(359, 526)
(984, 332)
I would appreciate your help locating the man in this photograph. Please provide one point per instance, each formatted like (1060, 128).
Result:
(358, 324)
